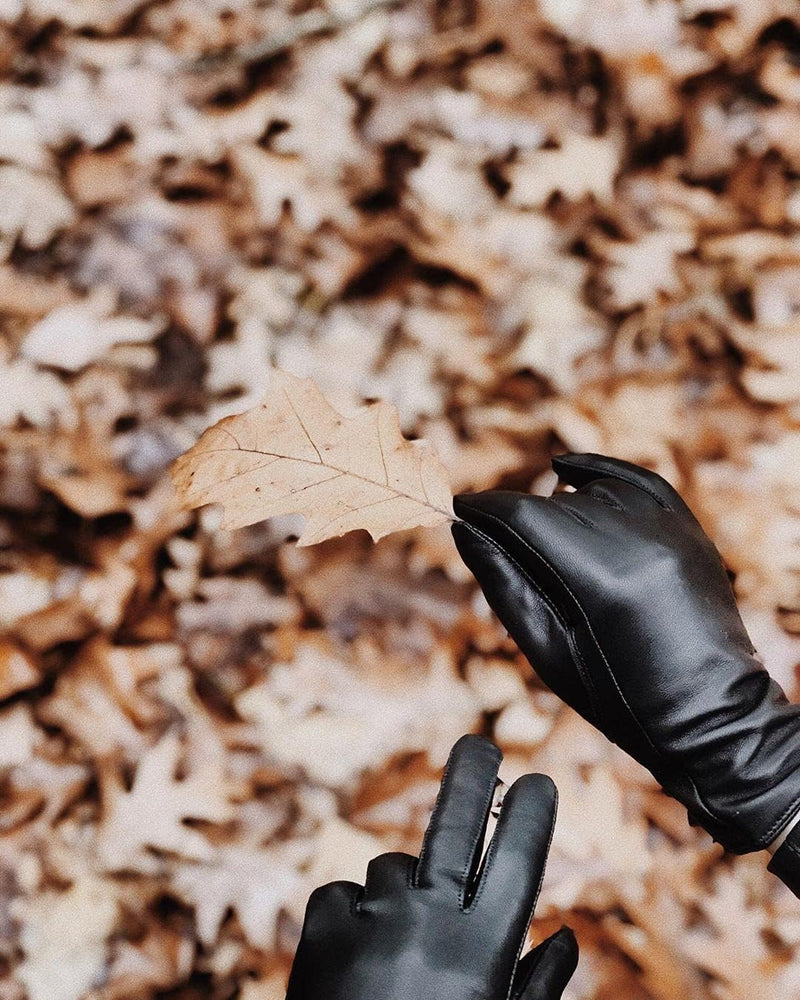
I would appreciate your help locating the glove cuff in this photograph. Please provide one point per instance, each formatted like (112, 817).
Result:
(786, 861)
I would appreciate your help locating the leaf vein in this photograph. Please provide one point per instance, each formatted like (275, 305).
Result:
(300, 421)
(380, 449)
(345, 472)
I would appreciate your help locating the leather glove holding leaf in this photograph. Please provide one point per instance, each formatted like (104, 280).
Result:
(624, 608)
(444, 925)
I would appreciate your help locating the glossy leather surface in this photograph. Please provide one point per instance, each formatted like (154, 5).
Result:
(623, 606)
(786, 860)
(437, 926)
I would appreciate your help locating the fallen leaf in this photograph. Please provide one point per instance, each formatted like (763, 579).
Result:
(38, 397)
(155, 962)
(583, 165)
(257, 884)
(19, 736)
(295, 454)
(273, 988)
(34, 207)
(335, 718)
(22, 594)
(153, 812)
(18, 671)
(64, 939)
(73, 336)
(233, 605)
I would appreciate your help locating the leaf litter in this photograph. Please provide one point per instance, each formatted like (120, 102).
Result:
(526, 227)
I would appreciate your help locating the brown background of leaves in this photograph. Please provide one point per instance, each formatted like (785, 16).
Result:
(571, 225)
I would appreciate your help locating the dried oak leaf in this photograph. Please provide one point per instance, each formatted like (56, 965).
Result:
(295, 454)
(257, 883)
(63, 936)
(153, 813)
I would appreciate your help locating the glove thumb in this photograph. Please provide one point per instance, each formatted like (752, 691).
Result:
(544, 972)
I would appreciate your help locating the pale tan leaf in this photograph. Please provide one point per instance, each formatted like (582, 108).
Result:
(295, 454)
(18, 671)
(63, 935)
(257, 883)
(273, 988)
(153, 812)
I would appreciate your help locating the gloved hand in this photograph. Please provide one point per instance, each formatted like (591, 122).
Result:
(442, 926)
(623, 606)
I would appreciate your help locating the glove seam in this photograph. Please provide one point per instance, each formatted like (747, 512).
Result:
(429, 832)
(535, 901)
(538, 555)
(484, 875)
(578, 605)
(462, 895)
(578, 515)
(625, 479)
(580, 662)
(766, 838)
(609, 503)
(580, 665)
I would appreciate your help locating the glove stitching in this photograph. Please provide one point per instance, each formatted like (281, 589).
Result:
(659, 753)
(766, 838)
(630, 481)
(580, 664)
(462, 895)
(535, 899)
(607, 501)
(583, 672)
(429, 832)
(581, 518)
(487, 865)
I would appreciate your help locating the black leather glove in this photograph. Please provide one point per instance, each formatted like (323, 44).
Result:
(441, 927)
(623, 606)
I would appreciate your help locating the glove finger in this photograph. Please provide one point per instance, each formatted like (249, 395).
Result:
(537, 532)
(330, 904)
(454, 840)
(517, 854)
(580, 470)
(530, 616)
(543, 974)
(604, 502)
(584, 506)
(387, 875)
(328, 909)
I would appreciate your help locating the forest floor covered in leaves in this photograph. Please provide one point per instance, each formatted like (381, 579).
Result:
(571, 224)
